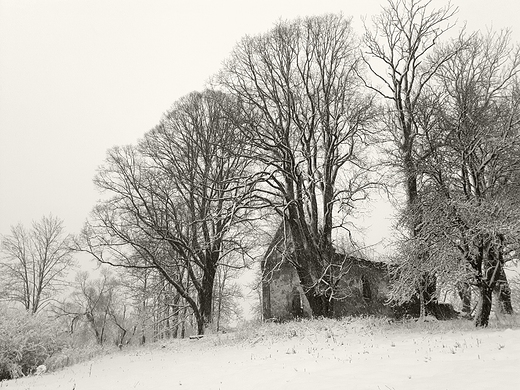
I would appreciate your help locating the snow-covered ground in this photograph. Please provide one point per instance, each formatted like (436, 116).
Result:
(327, 354)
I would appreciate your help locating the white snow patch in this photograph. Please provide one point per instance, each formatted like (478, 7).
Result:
(308, 355)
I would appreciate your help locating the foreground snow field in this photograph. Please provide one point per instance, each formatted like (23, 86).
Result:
(326, 354)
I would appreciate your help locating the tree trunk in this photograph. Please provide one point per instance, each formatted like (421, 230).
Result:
(308, 257)
(422, 306)
(121, 340)
(429, 291)
(156, 320)
(219, 309)
(465, 296)
(176, 304)
(183, 323)
(201, 326)
(484, 305)
(197, 319)
(144, 310)
(428, 288)
(320, 301)
(167, 325)
(321, 304)
(504, 292)
(206, 298)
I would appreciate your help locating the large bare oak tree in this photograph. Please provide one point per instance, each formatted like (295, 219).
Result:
(178, 199)
(309, 122)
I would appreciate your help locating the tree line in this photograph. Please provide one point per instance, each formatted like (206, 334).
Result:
(300, 125)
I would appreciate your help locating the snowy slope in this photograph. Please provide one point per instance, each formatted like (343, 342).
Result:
(348, 354)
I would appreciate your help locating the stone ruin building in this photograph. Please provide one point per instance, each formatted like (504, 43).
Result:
(363, 290)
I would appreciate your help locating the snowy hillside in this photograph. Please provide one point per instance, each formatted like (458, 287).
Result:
(326, 354)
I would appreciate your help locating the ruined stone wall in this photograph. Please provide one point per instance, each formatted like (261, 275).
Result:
(287, 299)
(362, 291)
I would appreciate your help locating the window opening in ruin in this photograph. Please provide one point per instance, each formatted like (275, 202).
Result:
(366, 290)
(296, 304)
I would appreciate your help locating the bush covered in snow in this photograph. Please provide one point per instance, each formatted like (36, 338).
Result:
(26, 342)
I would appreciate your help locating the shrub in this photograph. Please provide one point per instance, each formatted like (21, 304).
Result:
(77, 354)
(26, 341)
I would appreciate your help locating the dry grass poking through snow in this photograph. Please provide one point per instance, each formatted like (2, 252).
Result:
(336, 330)
(367, 353)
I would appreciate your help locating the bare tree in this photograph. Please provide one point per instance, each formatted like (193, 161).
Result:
(226, 298)
(199, 148)
(308, 125)
(178, 199)
(95, 299)
(154, 302)
(481, 125)
(35, 263)
(141, 290)
(99, 305)
(468, 187)
(399, 50)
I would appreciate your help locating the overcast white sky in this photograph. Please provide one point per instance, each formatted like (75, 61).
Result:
(80, 76)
